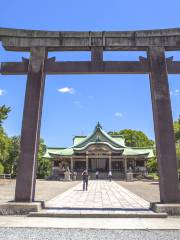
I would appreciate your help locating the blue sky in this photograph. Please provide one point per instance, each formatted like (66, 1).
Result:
(73, 104)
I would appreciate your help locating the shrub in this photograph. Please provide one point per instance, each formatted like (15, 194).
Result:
(1, 168)
(152, 165)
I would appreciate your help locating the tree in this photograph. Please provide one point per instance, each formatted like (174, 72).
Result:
(152, 165)
(4, 143)
(176, 126)
(4, 140)
(1, 168)
(134, 138)
(13, 149)
(4, 113)
(44, 165)
(10, 164)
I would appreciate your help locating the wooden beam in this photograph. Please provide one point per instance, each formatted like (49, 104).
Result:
(106, 67)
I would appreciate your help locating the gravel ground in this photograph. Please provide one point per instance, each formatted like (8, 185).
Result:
(86, 234)
(45, 190)
(149, 190)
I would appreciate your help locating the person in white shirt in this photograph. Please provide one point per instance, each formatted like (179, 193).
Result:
(110, 176)
(97, 175)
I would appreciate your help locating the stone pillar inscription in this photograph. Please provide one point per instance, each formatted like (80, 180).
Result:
(26, 177)
(163, 125)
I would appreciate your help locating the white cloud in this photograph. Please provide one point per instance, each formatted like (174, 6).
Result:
(66, 90)
(118, 114)
(2, 92)
(175, 92)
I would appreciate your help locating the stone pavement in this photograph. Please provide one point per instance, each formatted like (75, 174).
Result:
(90, 223)
(101, 194)
(103, 199)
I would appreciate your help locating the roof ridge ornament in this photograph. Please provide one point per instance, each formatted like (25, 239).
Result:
(98, 126)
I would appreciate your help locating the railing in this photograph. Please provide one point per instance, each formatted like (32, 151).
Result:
(5, 176)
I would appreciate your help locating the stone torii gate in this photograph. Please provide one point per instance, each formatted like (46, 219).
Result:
(39, 43)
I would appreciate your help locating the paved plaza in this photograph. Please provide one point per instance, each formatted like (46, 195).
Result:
(45, 190)
(101, 194)
(103, 198)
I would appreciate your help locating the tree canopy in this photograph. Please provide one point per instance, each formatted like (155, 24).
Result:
(134, 138)
(177, 129)
(4, 113)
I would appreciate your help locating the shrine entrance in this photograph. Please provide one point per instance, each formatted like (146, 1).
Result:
(100, 164)
(39, 43)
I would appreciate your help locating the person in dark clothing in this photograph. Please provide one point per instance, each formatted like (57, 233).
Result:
(85, 179)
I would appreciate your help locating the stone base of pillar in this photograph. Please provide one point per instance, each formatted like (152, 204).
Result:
(20, 208)
(67, 176)
(129, 176)
(172, 209)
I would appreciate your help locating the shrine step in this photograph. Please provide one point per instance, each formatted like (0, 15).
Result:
(96, 214)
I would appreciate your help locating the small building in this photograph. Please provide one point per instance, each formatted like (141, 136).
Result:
(99, 151)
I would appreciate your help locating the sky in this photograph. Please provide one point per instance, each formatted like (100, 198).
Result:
(73, 104)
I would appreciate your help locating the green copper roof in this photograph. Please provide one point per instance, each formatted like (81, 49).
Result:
(62, 152)
(78, 139)
(99, 137)
(97, 143)
(51, 150)
(138, 151)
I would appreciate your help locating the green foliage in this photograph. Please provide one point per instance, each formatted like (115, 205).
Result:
(4, 113)
(152, 165)
(4, 140)
(10, 164)
(134, 138)
(4, 143)
(176, 126)
(1, 168)
(44, 165)
(153, 175)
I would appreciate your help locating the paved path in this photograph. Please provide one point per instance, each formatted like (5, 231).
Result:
(101, 194)
(90, 223)
(103, 199)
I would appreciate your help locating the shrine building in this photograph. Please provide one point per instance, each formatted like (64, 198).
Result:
(99, 151)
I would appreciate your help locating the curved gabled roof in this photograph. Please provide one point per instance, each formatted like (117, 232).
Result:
(98, 143)
(99, 135)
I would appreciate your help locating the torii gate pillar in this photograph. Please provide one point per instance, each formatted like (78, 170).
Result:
(26, 176)
(163, 125)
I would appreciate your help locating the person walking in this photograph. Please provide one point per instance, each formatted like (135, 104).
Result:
(85, 180)
(97, 175)
(110, 176)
